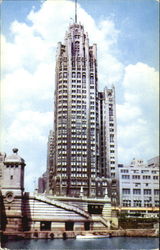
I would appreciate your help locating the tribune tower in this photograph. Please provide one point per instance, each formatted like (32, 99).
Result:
(81, 158)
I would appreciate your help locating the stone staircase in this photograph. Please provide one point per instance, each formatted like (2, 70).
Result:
(97, 218)
(62, 205)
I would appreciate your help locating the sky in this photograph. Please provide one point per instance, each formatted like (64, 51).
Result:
(126, 34)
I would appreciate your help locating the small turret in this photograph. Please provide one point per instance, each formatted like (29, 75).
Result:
(13, 174)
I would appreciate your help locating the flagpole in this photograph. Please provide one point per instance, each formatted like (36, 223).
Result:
(75, 11)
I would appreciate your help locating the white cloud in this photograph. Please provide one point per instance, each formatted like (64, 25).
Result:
(138, 115)
(110, 70)
(55, 14)
(28, 132)
(22, 85)
(141, 83)
(52, 20)
(29, 126)
(136, 141)
(127, 112)
(28, 129)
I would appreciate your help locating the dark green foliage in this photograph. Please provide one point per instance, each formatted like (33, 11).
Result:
(134, 223)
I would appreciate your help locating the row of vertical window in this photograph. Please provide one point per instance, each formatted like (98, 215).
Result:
(74, 151)
(78, 96)
(76, 86)
(76, 163)
(74, 160)
(79, 101)
(63, 97)
(76, 75)
(139, 177)
(75, 169)
(81, 183)
(138, 203)
(78, 175)
(63, 91)
(78, 91)
(138, 191)
(62, 86)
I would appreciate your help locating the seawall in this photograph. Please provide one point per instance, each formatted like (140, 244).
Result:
(72, 234)
(135, 233)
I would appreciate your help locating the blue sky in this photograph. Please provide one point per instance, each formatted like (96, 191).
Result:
(137, 20)
(126, 33)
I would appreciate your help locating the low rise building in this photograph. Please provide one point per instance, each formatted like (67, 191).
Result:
(139, 184)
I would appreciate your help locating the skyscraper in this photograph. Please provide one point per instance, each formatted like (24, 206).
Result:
(85, 151)
(108, 141)
(108, 133)
(50, 157)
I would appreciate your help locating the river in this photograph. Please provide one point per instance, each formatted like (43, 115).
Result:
(115, 243)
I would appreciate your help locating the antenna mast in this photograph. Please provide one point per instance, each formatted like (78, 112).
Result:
(75, 11)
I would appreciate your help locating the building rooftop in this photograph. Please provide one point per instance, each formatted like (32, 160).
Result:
(14, 157)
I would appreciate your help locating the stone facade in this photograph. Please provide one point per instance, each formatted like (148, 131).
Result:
(2, 157)
(12, 190)
(108, 142)
(83, 119)
(36, 215)
(13, 174)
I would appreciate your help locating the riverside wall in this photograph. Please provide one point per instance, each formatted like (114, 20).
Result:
(135, 233)
(23, 217)
(72, 234)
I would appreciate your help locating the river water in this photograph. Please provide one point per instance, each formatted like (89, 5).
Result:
(115, 243)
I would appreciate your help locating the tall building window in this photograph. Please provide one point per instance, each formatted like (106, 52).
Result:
(156, 191)
(111, 138)
(146, 176)
(110, 112)
(137, 203)
(125, 176)
(147, 191)
(126, 203)
(125, 191)
(156, 203)
(136, 191)
(136, 177)
(155, 177)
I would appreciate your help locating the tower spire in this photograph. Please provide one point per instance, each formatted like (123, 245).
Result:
(75, 11)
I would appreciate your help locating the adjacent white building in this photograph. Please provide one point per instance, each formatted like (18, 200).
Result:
(139, 184)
